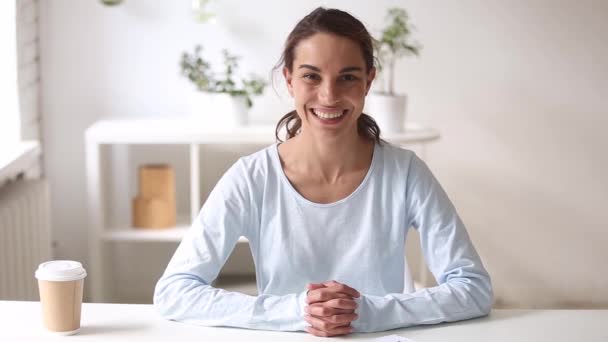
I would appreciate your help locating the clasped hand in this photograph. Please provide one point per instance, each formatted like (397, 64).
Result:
(331, 308)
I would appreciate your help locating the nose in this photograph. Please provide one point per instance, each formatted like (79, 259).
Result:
(328, 93)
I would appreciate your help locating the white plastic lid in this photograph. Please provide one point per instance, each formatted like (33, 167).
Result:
(60, 270)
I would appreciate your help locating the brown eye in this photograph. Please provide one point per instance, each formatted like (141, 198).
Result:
(312, 77)
(348, 78)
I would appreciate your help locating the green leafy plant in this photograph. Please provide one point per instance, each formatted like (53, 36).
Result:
(201, 13)
(199, 72)
(111, 2)
(394, 44)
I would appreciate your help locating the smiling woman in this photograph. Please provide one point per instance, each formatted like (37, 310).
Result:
(351, 36)
(326, 213)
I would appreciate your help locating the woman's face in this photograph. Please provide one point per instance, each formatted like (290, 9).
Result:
(328, 83)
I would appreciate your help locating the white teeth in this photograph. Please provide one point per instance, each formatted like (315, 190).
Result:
(324, 115)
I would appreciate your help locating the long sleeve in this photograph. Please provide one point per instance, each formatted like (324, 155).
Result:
(184, 292)
(464, 289)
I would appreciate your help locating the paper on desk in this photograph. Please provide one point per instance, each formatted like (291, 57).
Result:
(391, 338)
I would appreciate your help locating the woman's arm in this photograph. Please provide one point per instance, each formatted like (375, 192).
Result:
(464, 289)
(184, 292)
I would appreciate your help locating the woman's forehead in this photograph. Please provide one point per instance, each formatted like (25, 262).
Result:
(328, 51)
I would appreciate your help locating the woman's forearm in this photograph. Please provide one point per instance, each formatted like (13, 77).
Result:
(183, 297)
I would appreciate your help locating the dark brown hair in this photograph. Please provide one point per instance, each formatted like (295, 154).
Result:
(339, 23)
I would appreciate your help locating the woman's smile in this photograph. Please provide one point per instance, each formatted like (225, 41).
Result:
(329, 116)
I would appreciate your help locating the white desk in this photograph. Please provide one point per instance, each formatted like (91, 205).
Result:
(21, 321)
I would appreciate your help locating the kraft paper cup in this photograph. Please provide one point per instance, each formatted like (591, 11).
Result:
(60, 283)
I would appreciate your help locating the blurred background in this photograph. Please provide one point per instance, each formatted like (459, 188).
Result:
(516, 89)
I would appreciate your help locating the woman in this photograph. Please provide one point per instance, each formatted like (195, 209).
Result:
(326, 213)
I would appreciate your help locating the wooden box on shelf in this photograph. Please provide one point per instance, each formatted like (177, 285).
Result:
(154, 206)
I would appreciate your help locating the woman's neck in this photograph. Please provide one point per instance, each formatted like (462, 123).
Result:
(329, 159)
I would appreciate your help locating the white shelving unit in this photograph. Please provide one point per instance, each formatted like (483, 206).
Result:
(171, 132)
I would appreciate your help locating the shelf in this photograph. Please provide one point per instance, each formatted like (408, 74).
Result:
(174, 131)
(131, 234)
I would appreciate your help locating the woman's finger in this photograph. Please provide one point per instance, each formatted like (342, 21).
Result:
(342, 288)
(330, 283)
(322, 295)
(339, 319)
(318, 309)
(320, 333)
(314, 286)
(330, 328)
(341, 303)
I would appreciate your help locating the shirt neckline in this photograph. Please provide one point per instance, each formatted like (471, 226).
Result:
(277, 160)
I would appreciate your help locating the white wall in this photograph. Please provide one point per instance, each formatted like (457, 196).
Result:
(515, 88)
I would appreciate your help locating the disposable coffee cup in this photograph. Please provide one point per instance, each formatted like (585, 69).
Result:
(60, 283)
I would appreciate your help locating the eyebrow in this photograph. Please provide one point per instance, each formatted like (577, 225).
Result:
(314, 68)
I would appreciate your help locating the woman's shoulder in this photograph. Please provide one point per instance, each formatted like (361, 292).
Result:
(261, 163)
(248, 173)
(401, 161)
(403, 165)
(396, 156)
(261, 159)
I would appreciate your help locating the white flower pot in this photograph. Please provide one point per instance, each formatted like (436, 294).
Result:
(218, 109)
(388, 111)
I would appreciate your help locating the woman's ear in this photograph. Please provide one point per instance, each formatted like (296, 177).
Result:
(288, 79)
(370, 78)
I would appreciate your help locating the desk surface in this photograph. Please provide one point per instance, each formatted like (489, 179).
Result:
(21, 321)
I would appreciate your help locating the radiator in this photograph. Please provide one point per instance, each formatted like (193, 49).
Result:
(25, 238)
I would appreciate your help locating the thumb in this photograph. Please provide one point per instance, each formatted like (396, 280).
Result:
(314, 286)
(331, 283)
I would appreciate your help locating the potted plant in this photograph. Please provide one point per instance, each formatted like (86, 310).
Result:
(386, 106)
(220, 94)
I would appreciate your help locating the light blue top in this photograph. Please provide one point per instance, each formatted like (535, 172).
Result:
(359, 241)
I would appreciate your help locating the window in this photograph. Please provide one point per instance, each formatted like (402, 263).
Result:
(9, 104)
(17, 157)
